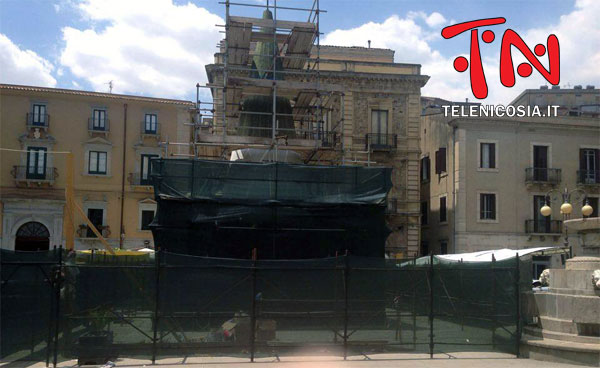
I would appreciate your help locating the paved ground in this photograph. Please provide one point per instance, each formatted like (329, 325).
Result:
(459, 360)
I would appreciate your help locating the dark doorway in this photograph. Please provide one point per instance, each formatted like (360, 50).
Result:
(31, 237)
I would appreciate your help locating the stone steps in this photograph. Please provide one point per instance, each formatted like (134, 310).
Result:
(552, 350)
(554, 335)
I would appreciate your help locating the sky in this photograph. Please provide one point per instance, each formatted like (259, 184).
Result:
(159, 47)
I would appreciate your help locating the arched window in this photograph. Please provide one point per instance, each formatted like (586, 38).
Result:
(32, 236)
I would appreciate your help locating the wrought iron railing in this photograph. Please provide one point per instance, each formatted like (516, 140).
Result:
(376, 141)
(98, 125)
(137, 179)
(148, 128)
(542, 175)
(37, 120)
(543, 226)
(588, 176)
(38, 174)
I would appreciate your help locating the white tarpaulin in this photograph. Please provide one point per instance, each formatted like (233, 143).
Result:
(486, 255)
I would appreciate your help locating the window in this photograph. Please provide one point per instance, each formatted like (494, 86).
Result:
(440, 160)
(36, 162)
(593, 201)
(147, 217)
(150, 124)
(487, 206)
(443, 247)
(443, 217)
(589, 166)
(379, 121)
(97, 163)
(145, 169)
(541, 223)
(38, 116)
(487, 155)
(540, 163)
(99, 119)
(424, 213)
(96, 216)
(425, 168)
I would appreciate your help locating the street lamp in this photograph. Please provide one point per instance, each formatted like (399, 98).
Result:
(575, 196)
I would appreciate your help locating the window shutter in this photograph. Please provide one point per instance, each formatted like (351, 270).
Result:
(492, 148)
(493, 206)
(597, 162)
(581, 160)
(481, 206)
(443, 159)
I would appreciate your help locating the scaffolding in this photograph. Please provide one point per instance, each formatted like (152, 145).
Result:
(317, 108)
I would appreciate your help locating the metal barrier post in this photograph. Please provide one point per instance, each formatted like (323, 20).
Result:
(253, 311)
(49, 340)
(346, 278)
(156, 299)
(494, 306)
(431, 305)
(518, 302)
(58, 278)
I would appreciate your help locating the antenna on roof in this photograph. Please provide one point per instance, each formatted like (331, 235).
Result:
(369, 43)
(110, 86)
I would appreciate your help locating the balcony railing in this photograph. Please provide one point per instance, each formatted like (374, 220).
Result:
(85, 231)
(37, 120)
(588, 177)
(375, 141)
(136, 179)
(537, 175)
(34, 174)
(151, 129)
(543, 226)
(98, 125)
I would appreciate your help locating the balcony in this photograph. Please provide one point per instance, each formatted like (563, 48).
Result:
(588, 177)
(96, 125)
(136, 179)
(150, 129)
(86, 232)
(39, 121)
(381, 142)
(542, 176)
(34, 175)
(543, 226)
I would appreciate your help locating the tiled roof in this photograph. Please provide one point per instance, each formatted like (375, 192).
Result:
(115, 96)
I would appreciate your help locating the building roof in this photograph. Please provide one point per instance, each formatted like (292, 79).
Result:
(16, 87)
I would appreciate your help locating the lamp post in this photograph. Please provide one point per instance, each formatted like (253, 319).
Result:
(569, 198)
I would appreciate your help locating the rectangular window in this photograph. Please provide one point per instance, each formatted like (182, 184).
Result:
(97, 163)
(425, 168)
(589, 166)
(487, 206)
(443, 247)
(99, 119)
(443, 217)
(147, 217)
(540, 163)
(150, 124)
(424, 213)
(96, 216)
(593, 201)
(440, 160)
(541, 223)
(36, 162)
(145, 169)
(38, 116)
(487, 157)
(379, 127)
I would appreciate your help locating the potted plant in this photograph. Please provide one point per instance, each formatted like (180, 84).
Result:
(95, 344)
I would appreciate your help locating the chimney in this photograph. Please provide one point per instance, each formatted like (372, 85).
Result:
(589, 86)
(369, 43)
(543, 87)
(578, 87)
(555, 87)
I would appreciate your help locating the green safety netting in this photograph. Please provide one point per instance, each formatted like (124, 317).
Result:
(168, 304)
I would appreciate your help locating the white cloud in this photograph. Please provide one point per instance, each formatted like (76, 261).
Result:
(145, 47)
(578, 33)
(18, 66)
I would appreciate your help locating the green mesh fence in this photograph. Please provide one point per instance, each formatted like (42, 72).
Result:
(167, 305)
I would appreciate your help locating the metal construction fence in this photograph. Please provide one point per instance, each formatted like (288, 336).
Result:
(58, 306)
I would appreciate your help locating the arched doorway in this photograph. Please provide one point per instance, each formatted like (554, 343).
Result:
(32, 236)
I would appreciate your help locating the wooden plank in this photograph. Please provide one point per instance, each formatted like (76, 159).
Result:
(238, 43)
(268, 23)
(299, 45)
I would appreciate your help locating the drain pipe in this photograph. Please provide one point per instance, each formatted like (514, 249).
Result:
(121, 229)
